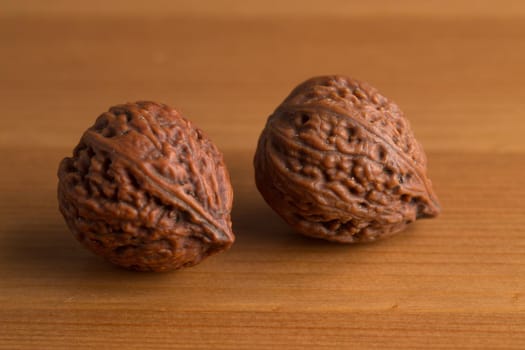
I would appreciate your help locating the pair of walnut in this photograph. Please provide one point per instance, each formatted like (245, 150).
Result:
(337, 160)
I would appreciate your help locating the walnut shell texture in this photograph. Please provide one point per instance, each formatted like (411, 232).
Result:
(147, 190)
(337, 160)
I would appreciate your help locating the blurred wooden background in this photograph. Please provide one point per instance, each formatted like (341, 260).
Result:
(457, 68)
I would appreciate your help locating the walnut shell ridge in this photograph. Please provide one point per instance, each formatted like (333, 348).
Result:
(147, 190)
(337, 160)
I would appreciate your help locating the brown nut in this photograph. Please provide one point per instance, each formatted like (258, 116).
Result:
(337, 160)
(147, 190)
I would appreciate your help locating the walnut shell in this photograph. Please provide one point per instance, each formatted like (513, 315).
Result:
(337, 160)
(147, 190)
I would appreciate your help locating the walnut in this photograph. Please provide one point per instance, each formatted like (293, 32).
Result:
(337, 160)
(147, 190)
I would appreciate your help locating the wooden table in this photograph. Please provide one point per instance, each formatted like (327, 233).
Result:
(457, 68)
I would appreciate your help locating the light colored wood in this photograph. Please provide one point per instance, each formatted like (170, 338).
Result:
(454, 282)
(254, 8)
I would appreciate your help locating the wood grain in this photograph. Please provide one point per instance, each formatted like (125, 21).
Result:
(454, 282)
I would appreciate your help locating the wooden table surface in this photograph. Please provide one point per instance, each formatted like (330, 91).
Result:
(456, 68)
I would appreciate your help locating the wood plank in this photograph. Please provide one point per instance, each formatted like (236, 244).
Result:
(454, 282)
